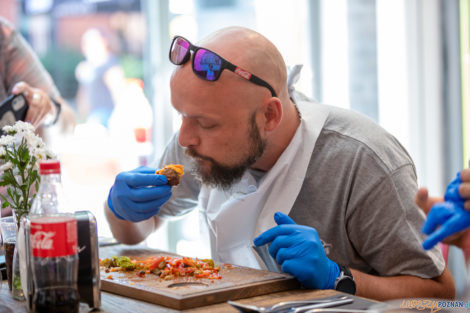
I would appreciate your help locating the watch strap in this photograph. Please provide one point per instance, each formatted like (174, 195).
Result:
(345, 282)
(346, 271)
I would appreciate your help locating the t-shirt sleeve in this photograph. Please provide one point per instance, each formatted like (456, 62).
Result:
(184, 196)
(22, 64)
(385, 220)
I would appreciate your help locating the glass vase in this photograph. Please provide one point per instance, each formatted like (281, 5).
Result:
(16, 290)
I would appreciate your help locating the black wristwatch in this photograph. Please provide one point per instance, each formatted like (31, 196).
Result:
(345, 281)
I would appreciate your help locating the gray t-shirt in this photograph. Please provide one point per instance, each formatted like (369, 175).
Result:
(358, 193)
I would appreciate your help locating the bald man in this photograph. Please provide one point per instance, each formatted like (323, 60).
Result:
(268, 167)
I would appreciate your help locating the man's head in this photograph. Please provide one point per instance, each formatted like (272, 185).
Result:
(230, 124)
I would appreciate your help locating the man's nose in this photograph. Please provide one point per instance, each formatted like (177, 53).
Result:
(188, 135)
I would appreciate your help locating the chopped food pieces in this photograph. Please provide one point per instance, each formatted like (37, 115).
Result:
(165, 267)
(123, 262)
(173, 173)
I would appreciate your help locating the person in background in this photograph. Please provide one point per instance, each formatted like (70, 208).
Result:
(100, 77)
(448, 217)
(22, 72)
(264, 164)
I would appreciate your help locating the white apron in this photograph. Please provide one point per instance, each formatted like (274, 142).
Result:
(234, 218)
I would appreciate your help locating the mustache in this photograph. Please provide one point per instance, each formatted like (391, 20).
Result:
(191, 152)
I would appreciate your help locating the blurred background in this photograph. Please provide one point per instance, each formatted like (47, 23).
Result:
(404, 63)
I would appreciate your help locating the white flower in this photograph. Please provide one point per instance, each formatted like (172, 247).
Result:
(8, 165)
(39, 153)
(32, 140)
(6, 140)
(25, 127)
(21, 134)
(7, 128)
(50, 154)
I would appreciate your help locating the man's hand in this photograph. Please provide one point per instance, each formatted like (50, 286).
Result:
(424, 201)
(137, 195)
(39, 103)
(447, 220)
(299, 250)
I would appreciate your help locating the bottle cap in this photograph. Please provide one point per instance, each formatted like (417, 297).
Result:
(49, 167)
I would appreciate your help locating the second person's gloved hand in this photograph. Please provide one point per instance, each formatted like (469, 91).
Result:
(138, 195)
(446, 218)
(299, 250)
(452, 192)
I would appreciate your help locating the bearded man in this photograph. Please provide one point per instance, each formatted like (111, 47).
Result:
(265, 165)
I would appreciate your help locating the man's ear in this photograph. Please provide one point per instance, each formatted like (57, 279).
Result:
(272, 113)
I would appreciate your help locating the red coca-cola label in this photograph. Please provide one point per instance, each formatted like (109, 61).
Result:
(53, 236)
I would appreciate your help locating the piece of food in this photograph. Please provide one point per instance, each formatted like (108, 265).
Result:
(164, 267)
(123, 262)
(173, 173)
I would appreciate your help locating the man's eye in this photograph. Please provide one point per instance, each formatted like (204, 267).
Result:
(207, 125)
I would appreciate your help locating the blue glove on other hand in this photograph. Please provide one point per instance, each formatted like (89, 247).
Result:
(450, 215)
(452, 193)
(138, 195)
(299, 250)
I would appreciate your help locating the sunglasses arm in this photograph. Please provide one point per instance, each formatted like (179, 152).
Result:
(251, 77)
(260, 82)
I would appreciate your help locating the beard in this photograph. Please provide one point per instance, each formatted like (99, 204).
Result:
(221, 176)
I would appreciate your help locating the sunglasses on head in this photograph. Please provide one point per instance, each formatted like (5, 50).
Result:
(209, 65)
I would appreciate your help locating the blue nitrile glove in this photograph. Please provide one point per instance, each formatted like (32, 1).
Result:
(452, 193)
(299, 250)
(450, 215)
(138, 195)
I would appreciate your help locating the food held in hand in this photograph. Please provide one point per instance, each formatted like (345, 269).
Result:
(165, 267)
(173, 173)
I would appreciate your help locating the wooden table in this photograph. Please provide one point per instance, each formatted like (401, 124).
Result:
(115, 303)
(111, 303)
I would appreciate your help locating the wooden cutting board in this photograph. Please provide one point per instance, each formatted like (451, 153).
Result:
(236, 283)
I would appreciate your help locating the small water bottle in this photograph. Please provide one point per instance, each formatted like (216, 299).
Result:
(53, 245)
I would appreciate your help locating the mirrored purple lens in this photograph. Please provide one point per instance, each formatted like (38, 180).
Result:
(179, 49)
(207, 64)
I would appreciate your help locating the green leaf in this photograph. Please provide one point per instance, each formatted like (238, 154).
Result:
(17, 283)
(5, 204)
(10, 193)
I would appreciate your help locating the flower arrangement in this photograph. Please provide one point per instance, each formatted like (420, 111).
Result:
(20, 152)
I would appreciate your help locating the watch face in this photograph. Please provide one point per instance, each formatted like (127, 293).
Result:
(346, 284)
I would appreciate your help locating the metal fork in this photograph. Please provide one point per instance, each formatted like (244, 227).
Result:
(296, 306)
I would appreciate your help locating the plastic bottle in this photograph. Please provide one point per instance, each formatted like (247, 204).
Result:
(53, 243)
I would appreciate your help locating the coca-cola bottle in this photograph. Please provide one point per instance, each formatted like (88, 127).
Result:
(53, 245)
